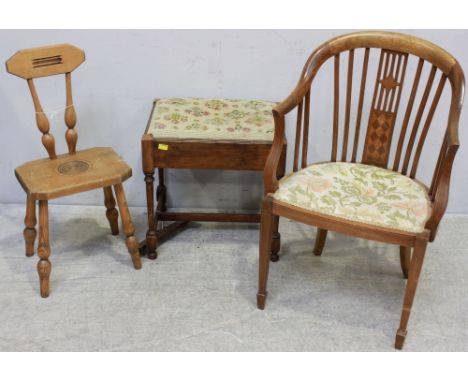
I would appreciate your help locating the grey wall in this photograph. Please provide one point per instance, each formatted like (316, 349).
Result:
(126, 69)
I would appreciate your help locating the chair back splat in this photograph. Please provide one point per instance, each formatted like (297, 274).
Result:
(49, 61)
(417, 107)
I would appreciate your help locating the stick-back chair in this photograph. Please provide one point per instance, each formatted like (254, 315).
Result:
(368, 188)
(67, 174)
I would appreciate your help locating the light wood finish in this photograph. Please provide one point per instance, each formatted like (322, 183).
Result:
(198, 154)
(30, 221)
(44, 266)
(131, 241)
(111, 213)
(45, 61)
(66, 174)
(395, 51)
(70, 174)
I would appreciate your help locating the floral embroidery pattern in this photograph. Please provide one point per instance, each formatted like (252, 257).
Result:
(198, 118)
(358, 192)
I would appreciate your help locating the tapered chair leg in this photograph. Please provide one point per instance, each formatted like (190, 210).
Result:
(44, 266)
(29, 232)
(151, 235)
(131, 241)
(266, 228)
(276, 240)
(411, 285)
(111, 212)
(405, 259)
(320, 241)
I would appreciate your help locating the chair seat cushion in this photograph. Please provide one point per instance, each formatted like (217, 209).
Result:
(212, 119)
(359, 193)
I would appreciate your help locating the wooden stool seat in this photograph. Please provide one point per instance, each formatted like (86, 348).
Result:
(98, 167)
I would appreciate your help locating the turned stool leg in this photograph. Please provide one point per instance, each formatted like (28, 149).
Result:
(266, 227)
(44, 266)
(411, 285)
(405, 260)
(151, 237)
(320, 241)
(29, 232)
(276, 240)
(111, 212)
(131, 241)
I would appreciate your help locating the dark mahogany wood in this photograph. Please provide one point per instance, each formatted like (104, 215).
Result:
(395, 50)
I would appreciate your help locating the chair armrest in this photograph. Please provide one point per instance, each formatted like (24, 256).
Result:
(439, 192)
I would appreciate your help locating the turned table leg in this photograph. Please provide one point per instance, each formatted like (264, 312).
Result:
(111, 212)
(131, 241)
(151, 235)
(44, 266)
(29, 232)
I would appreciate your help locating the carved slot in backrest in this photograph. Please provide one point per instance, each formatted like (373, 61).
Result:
(47, 61)
(384, 109)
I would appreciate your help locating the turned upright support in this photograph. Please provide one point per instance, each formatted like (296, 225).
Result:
(111, 212)
(29, 232)
(44, 266)
(42, 122)
(148, 170)
(131, 241)
(71, 135)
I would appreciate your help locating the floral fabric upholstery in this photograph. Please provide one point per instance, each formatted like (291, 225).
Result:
(214, 119)
(360, 193)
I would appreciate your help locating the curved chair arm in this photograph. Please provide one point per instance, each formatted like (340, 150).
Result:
(270, 180)
(439, 191)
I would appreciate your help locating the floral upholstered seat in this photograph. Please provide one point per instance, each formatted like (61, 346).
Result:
(360, 193)
(212, 119)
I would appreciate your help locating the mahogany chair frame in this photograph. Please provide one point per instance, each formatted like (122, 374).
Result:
(395, 47)
(163, 154)
(67, 174)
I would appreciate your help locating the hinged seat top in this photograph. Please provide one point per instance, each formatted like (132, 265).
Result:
(212, 119)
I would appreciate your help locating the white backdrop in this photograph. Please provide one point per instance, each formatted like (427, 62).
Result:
(126, 69)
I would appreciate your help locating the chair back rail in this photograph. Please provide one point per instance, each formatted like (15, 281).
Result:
(391, 81)
(48, 61)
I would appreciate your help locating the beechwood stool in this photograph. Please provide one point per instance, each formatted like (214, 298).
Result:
(367, 189)
(67, 174)
(197, 133)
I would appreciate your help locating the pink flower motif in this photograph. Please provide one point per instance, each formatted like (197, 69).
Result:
(246, 130)
(231, 129)
(416, 208)
(161, 126)
(316, 183)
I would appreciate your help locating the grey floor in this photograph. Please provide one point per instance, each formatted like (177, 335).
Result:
(199, 295)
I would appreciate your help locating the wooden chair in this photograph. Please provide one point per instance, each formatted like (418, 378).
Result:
(364, 198)
(196, 133)
(62, 175)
